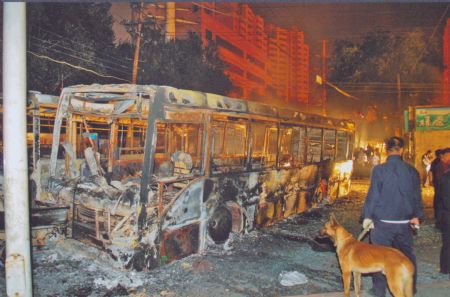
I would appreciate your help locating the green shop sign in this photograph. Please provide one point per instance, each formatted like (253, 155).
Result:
(433, 118)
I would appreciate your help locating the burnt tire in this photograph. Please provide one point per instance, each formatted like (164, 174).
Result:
(220, 224)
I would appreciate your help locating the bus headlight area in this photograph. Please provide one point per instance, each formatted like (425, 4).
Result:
(154, 174)
(344, 168)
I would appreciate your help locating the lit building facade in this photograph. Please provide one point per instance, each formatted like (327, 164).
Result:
(278, 51)
(298, 67)
(239, 35)
(261, 60)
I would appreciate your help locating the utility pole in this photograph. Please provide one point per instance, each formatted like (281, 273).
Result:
(137, 42)
(324, 77)
(399, 93)
(17, 210)
(399, 103)
(170, 21)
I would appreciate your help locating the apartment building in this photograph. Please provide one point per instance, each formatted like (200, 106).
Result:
(261, 60)
(278, 52)
(240, 38)
(298, 67)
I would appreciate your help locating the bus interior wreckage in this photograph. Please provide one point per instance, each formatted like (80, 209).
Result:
(155, 173)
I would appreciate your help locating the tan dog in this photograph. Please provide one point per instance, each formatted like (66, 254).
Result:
(358, 257)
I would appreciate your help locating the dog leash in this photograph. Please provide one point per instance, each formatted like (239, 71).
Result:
(363, 233)
(366, 230)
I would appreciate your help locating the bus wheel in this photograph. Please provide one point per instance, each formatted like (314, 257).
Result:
(220, 224)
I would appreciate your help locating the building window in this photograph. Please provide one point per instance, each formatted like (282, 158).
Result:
(225, 44)
(208, 35)
(255, 78)
(234, 69)
(256, 62)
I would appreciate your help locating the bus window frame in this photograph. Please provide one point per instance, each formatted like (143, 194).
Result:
(308, 140)
(333, 157)
(268, 125)
(346, 145)
(165, 129)
(350, 145)
(292, 162)
(222, 167)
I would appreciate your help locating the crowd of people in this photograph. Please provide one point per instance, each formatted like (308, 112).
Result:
(393, 205)
(365, 160)
(427, 159)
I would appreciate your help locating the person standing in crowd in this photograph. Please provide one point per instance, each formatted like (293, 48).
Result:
(407, 156)
(376, 158)
(369, 151)
(393, 204)
(436, 172)
(360, 163)
(444, 189)
(426, 163)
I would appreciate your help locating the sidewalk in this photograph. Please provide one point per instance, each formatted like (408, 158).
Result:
(441, 289)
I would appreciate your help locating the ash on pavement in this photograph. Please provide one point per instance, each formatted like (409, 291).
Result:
(249, 264)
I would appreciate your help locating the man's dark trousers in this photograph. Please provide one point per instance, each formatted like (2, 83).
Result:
(445, 250)
(398, 236)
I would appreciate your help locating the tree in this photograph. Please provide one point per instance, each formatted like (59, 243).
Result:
(371, 68)
(375, 67)
(73, 43)
(182, 63)
(78, 34)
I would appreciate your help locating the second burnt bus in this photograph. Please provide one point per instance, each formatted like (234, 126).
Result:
(156, 173)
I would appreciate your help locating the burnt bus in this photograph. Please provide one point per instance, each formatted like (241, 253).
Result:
(155, 173)
(45, 219)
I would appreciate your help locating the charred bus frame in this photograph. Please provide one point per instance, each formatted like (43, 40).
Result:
(41, 111)
(210, 165)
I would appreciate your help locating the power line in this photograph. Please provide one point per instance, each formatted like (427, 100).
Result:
(213, 10)
(307, 37)
(82, 45)
(82, 59)
(336, 10)
(396, 92)
(76, 67)
(73, 50)
(431, 36)
(75, 56)
(385, 83)
(264, 34)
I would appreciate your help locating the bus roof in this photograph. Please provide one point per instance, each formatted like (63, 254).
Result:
(118, 96)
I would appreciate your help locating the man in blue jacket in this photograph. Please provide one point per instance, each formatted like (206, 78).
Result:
(444, 188)
(393, 205)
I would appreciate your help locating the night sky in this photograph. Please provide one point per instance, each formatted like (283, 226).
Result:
(341, 20)
(350, 20)
(337, 20)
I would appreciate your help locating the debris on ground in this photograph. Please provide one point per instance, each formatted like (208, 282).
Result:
(292, 278)
(253, 267)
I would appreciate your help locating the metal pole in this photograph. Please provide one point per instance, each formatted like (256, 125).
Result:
(156, 113)
(324, 77)
(137, 44)
(399, 103)
(17, 223)
(170, 21)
